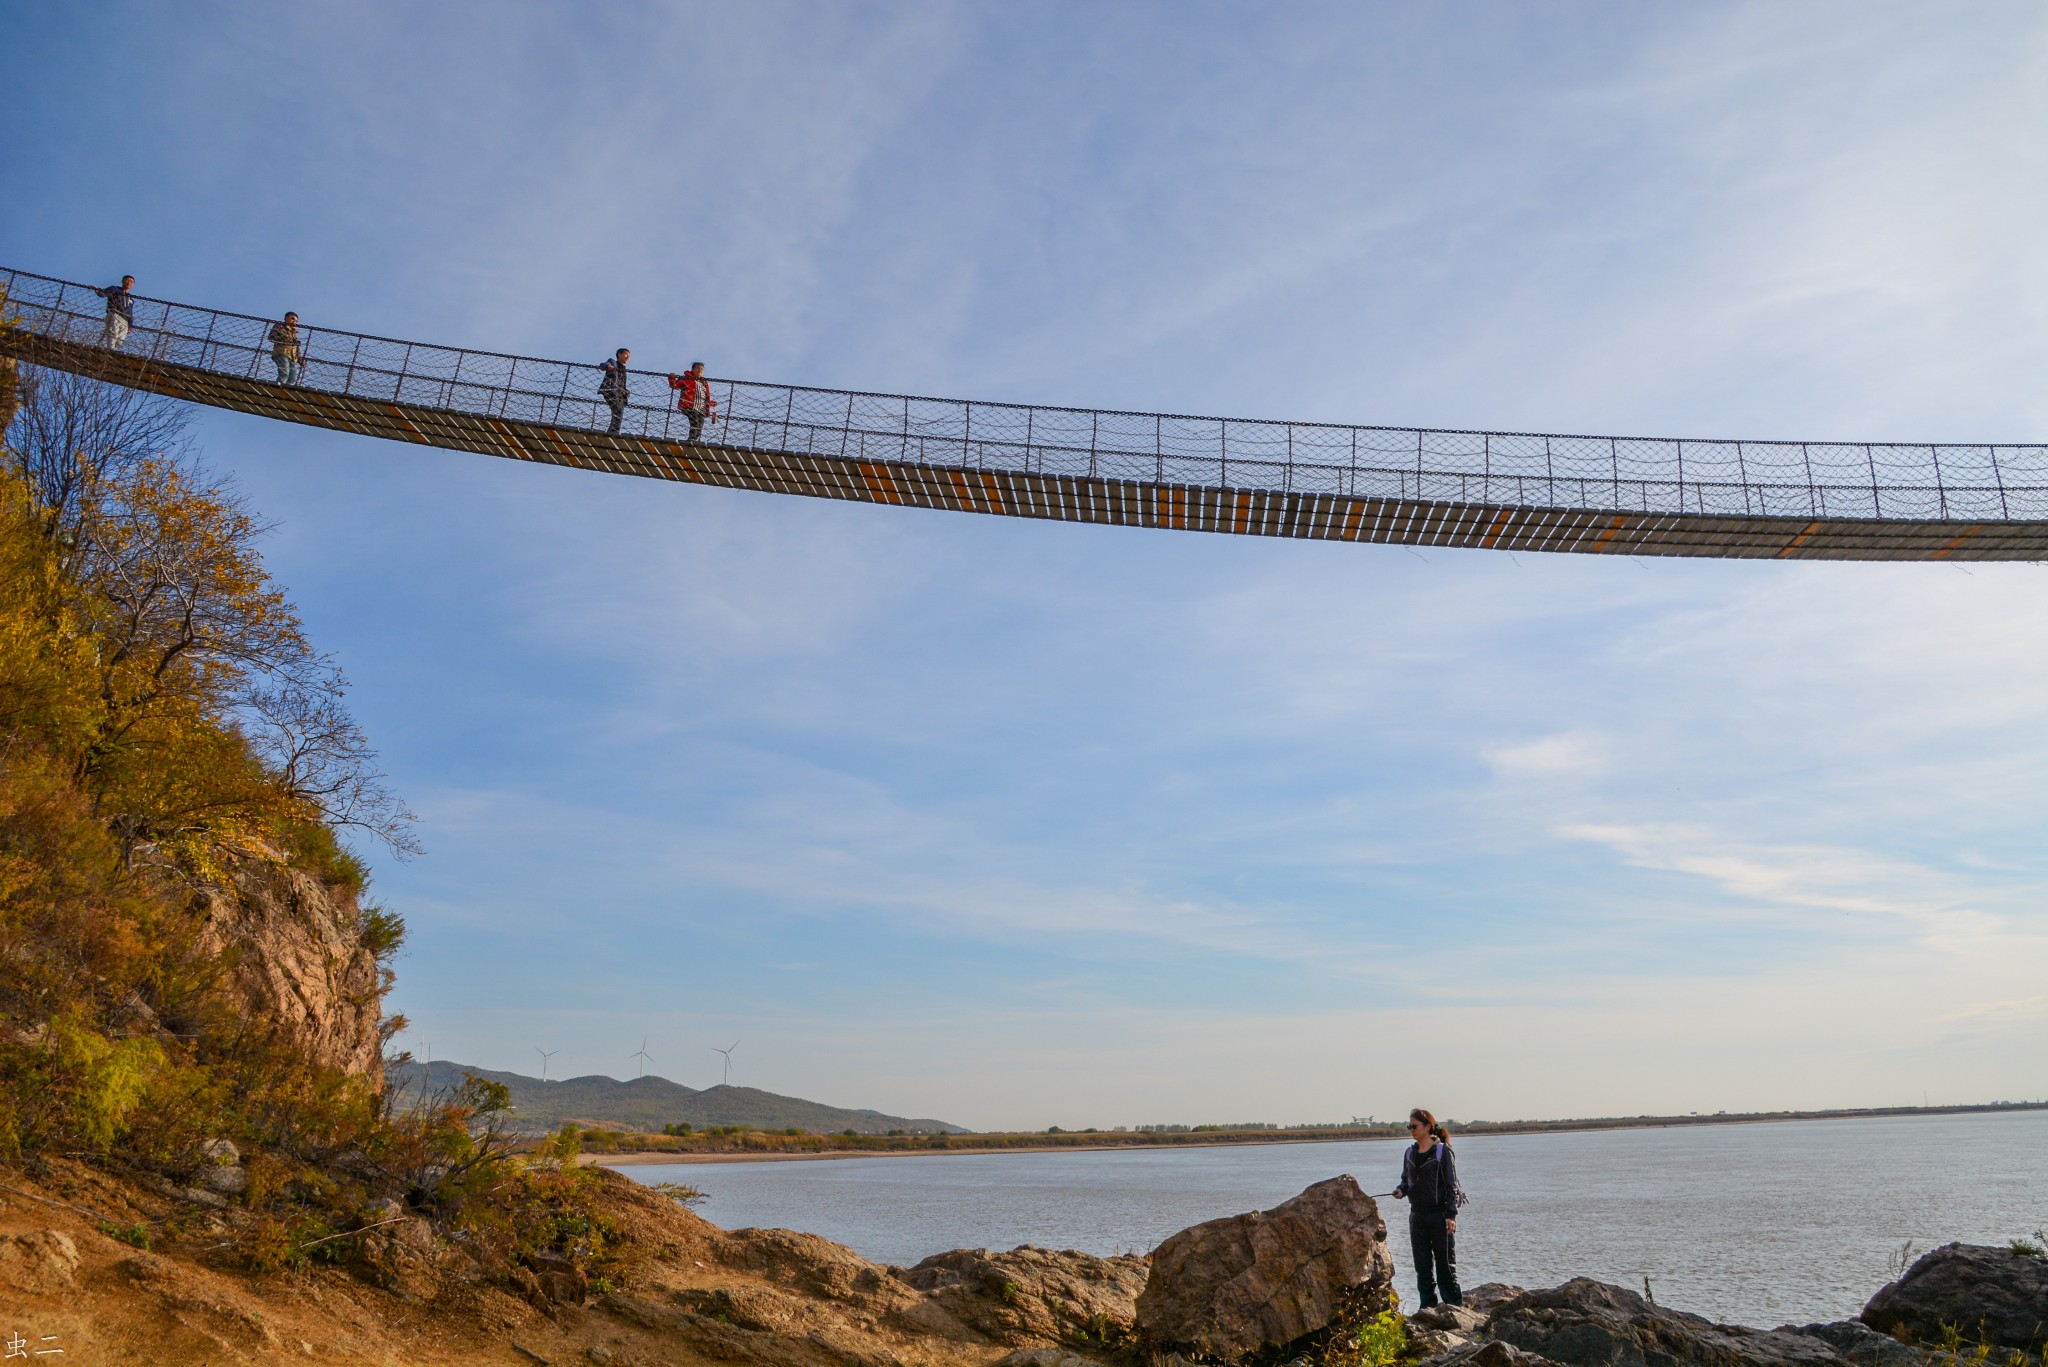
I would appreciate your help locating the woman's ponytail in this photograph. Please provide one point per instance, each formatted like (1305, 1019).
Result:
(1434, 1126)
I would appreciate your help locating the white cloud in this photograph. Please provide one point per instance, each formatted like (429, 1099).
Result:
(1567, 754)
(1863, 884)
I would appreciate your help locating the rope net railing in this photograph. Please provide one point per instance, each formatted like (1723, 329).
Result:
(1708, 477)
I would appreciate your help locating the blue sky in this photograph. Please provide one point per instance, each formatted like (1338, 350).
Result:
(1030, 824)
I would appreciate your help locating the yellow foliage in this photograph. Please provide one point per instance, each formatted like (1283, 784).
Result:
(163, 720)
(47, 660)
(109, 1078)
(123, 781)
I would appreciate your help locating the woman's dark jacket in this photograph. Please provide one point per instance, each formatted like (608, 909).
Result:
(1430, 1182)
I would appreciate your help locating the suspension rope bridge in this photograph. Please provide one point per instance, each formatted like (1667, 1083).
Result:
(1513, 491)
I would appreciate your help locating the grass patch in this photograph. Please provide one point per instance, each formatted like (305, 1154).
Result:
(135, 1235)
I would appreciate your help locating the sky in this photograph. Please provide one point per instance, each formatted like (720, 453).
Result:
(1022, 824)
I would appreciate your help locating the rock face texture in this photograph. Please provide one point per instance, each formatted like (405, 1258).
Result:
(1248, 1284)
(809, 1265)
(295, 958)
(40, 1262)
(1585, 1323)
(403, 1255)
(1442, 1329)
(1026, 1298)
(1491, 1296)
(1035, 1297)
(1490, 1353)
(1992, 1295)
(1862, 1345)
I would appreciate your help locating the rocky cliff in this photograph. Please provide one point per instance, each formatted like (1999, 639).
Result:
(294, 957)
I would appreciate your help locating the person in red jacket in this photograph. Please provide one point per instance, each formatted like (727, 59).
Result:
(694, 398)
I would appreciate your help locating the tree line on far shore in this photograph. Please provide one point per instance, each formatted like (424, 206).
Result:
(737, 1139)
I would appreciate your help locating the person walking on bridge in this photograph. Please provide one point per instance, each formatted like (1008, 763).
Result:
(1429, 1183)
(120, 312)
(284, 350)
(694, 398)
(615, 386)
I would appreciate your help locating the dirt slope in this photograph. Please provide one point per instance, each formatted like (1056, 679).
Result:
(694, 1294)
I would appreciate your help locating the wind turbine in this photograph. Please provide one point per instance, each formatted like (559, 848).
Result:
(727, 1051)
(644, 1057)
(545, 1055)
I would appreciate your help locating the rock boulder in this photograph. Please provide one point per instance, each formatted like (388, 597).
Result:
(809, 1265)
(557, 1279)
(1042, 1357)
(39, 1263)
(1990, 1295)
(1453, 1319)
(1491, 1353)
(1488, 1297)
(401, 1253)
(1585, 1323)
(1862, 1345)
(1251, 1284)
(1035, 1297)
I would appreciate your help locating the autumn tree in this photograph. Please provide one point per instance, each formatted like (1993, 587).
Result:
(219, 726)
(164, 724)
(167, 729)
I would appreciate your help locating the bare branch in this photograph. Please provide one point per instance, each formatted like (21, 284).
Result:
(68, 433)
(311, 746)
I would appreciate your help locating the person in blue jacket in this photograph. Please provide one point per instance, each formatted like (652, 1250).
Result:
(616, 386)
(1429, 1183)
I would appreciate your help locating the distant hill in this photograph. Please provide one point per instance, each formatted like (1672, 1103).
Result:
(648, 1103)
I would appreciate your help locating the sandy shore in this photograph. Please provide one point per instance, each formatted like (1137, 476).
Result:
(627, 1160)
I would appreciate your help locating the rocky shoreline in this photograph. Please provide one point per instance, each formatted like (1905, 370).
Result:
(1945, 1310)
(1309, 1283)
(1298, 1284)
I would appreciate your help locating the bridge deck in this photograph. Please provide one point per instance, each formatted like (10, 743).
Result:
(1502, 491)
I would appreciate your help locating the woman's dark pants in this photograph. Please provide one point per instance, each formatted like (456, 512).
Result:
(1435, 1250)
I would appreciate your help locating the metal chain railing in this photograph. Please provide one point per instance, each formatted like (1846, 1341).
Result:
(1972, 483)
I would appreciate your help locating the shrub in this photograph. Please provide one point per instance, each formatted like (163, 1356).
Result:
(519, 1210)
(682, 1193)
(317, 850)
(1379, 1342)
(379, 931)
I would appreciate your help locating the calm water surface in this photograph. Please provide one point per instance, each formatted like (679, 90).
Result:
(1749, 1224)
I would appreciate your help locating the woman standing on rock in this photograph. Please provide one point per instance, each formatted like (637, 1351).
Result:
(1429, 1183)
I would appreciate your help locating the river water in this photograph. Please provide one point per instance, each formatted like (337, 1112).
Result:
(1761, 1224)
